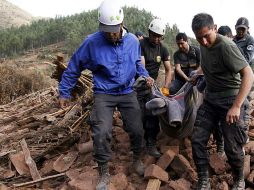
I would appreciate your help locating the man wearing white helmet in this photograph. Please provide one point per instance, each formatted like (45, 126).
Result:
(114, 57)
(153, 54)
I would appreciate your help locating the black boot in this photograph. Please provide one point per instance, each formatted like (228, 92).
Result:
(152, 151)
(238, 177)
(220, 149)
(151, 148)
(104, 176)
(137, 165)
(203, 180)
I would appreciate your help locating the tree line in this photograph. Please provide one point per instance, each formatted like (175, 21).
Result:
(72, 30)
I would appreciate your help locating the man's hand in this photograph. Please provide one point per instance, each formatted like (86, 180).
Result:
(193, 79)
(149, 81)
(233, 115)
(64, 102)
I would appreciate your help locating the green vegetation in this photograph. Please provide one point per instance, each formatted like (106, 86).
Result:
(72, 30)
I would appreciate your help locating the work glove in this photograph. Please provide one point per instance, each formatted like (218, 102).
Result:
(165, 91)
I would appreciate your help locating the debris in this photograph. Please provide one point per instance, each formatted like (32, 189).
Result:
(18, 160)
(29, 161)
(7, 152)
(153, 184)
(64, 162)
(85, 181)
(9, 174)
(87, 147)
(155, 172)
(38, 180)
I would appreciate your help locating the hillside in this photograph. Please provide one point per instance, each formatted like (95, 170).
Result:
(11, 15)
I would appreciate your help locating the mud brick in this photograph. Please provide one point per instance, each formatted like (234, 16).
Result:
(120, 181)
(222, 186)
(180, 184)
(164, 149)
(154, 171)
(148, 160)
(166, 159)
(183, 168)
(249, 148)
(218, 163)
(111, 186)
(85, 181)
(130, 187)
(246, 169)
(250, 178)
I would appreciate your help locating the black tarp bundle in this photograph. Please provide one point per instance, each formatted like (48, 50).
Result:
(177, 113)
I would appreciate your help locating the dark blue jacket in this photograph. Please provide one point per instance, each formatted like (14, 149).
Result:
(246, 46)
(114, 66)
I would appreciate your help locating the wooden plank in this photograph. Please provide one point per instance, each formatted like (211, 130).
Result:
(6, 152)
(38, 180)
(19, 115)
(29, 161)
(153, 184)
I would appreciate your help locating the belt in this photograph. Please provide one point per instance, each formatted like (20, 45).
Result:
(226, 93)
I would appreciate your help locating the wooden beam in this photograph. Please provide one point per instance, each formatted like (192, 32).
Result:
(38, 180)
(153, 184)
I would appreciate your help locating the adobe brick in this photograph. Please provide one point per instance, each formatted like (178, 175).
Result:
(165, 160)
(154, 171)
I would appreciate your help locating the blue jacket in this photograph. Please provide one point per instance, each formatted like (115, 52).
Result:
(114, 67)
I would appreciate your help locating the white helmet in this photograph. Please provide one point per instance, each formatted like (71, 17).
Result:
(157, 26)
(110, 12)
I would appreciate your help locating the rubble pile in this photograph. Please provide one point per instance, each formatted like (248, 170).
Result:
(34, 128)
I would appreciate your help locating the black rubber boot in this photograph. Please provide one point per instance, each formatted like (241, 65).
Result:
(203, 180)
(151, 148)
(137, 165)
(152, 151)
(104, 176)
(239, 183)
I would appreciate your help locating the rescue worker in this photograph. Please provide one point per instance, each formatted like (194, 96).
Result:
(139, 35)
(225, 100)
(114, 57)
(244, 40)
(186, 60)
(153, 53)
(225, 31)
